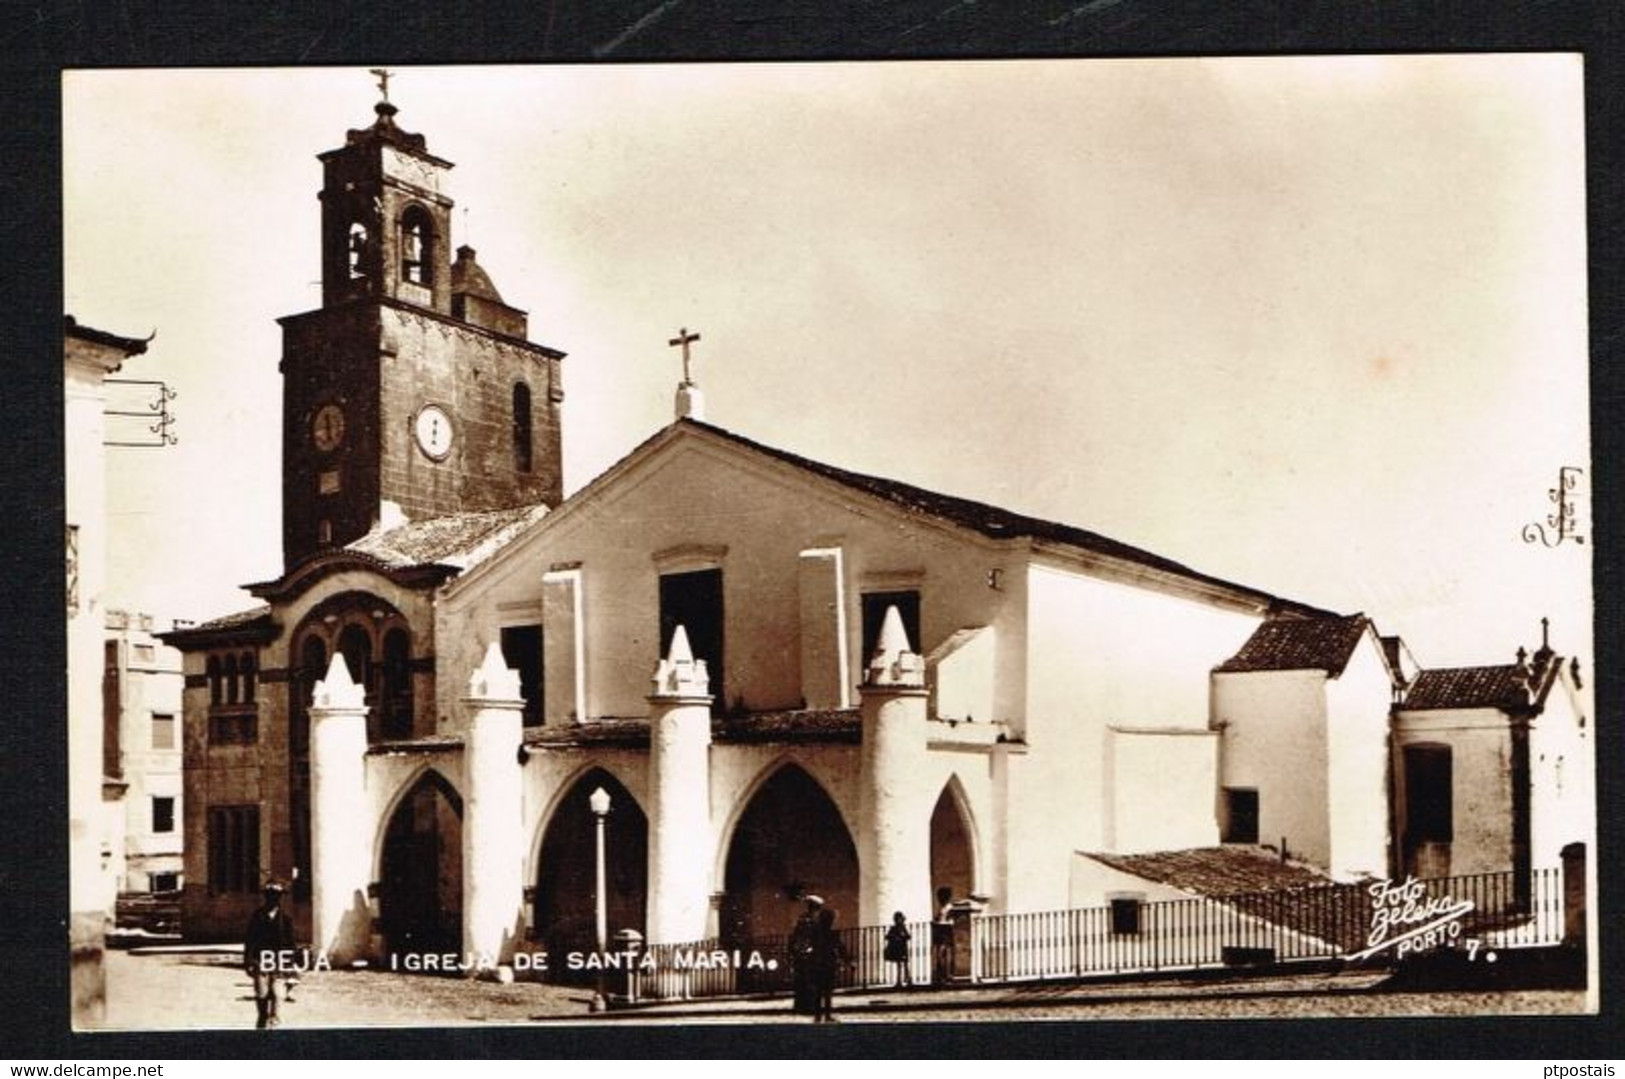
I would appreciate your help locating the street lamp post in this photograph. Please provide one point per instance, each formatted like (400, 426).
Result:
(598, 800)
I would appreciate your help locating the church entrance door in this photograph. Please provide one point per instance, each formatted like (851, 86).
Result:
(421, 891)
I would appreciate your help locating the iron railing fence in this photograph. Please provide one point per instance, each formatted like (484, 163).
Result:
(1253, 928)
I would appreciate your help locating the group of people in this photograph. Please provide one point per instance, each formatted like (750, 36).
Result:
(817, 953)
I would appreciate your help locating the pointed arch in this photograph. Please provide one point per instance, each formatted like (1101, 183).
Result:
(563, 915)
(954, 859)
(788, 838)
(420, 867)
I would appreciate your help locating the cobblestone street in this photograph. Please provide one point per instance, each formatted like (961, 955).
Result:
(209, 991)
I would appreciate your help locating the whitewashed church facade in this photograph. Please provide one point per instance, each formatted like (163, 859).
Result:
(788, 678)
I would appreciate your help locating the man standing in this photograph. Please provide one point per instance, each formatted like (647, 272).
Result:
(268, 945)
(804, 971)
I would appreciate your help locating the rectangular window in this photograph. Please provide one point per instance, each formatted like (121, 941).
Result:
(165, 882)
(874, 614)
(234, 728)
(694, 601)
(143, 653)
(163, 730)
(1429, 795)
(234, 849)
(1240, 823)
(163, 816)
(1126, 914)
(522, 652)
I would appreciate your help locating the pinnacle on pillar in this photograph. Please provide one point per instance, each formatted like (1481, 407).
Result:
(338, 689)
(680, 674)
(493, 680)
(894, 662)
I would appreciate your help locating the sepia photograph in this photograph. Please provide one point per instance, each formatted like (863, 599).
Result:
(841, 542)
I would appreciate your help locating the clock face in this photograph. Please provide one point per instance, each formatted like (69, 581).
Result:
(432, 428)
(327, 428)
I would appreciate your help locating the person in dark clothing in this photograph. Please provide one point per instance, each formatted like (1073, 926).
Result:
(268, 945)
(829, 955)
(897, 941)
(802, 947)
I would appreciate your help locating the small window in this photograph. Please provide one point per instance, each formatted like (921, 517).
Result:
(521, 428)
(1126, 914)
(234, 849)
(522, 652)
(1240, 824)
(163, 730)
(164, 882)
(693, 600)
(358, 249)
(875, 605)
(416, 244)
(163, 816)
(234, 729)
(143, 653)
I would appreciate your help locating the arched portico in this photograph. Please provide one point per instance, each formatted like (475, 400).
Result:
(953, 843)
(563, 916)
(789, 840)
(420, 869)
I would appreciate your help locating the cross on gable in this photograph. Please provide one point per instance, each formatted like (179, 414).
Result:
(383, 80)
(683, 340)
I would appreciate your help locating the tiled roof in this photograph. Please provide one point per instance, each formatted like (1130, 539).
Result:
(990, 520)
(1501, 687)
(797, 725)
(1299, 644)
(457, 539)
(232, 621)
(1227, 870)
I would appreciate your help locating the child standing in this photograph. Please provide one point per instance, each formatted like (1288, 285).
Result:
(897, 938)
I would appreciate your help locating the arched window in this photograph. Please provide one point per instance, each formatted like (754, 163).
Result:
(358, 249)
(312, 667)
(231, 679)
(521, 427)
(417, 242)
(357, 651)
(397, 689)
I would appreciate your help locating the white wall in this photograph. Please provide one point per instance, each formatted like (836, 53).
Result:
(1274, 739)
(1562, 769)
(1103, 654)
(1160, 790)
(1357, 705)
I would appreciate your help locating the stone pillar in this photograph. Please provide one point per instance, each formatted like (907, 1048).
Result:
(340, 842)
(1574, 895)
(894, 849)
(680, 841)
(493, 843)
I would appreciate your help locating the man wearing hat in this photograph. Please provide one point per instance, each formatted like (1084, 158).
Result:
(267, 945)
(803, 941)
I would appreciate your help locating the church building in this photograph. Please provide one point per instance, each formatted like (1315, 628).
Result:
(787, 678)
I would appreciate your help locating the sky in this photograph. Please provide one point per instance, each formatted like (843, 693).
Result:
(1316, 325)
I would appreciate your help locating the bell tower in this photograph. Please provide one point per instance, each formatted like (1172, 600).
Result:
(413, 391)
(386, 220)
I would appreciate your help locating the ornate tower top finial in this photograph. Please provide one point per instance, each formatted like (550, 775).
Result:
(384, 75)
